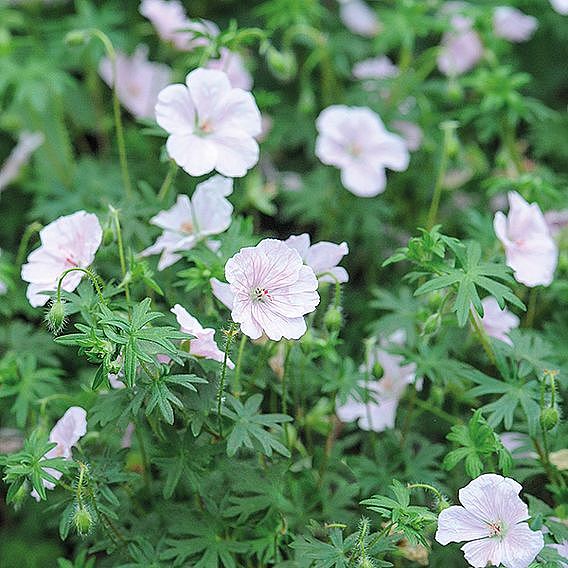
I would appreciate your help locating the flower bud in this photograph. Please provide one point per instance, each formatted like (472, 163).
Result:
(549, 418)
(377, 370)
(443, 504)
(282, 64)
(432, 324)
(108, 237)
(83, 521)
(77, 37)
(333, 319)
(55, 317)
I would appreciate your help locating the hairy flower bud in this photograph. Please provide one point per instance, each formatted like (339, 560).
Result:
(55, 317)
(108, 237)
(549, 418)
(432, 324)
(83, 520)
(77, 37)
(333, 319)
(282, 64)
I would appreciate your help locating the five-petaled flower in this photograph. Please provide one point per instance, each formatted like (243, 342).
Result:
(68, 242)
(208, 212)
(272, 290)
(529, 247)
(70, 428)
(202, 342)
(492, 519)
(138, 81)
(511, 24)
(378, 413)
(355, 140)
(211, 124)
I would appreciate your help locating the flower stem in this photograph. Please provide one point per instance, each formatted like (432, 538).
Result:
(237, 376)
(482, 336)
(114, 214)
(28, 233)
(428, 407)
(92, 278)
(168, 181)
(230, 336)
(448, 127)
(531, 310)
(111, 53)
(285, 390)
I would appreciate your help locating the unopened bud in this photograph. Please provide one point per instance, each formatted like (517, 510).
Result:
(282, 64)
(55, 317)
(77, 37)
(432, 324)
(549, 418)
(333, 319)
(108, 237)
(377, 370)
(83, 521)
(443, 504)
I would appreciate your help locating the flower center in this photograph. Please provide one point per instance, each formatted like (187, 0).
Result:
(259, 294)
(497, 529)
(187, 227)
(69, 260)
(205, 127)
(354, 150)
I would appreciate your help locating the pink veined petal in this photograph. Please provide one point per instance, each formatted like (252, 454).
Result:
(483, 552)
(207, 87)
(363, 180)
(175, 110)
(211, 210)
(196, 155)
(249, 326)
(297, 299)
(222, 291)
(188, 323)
(35, 298)
(533, 268)
(521, 546)
(235, 154)
(275, 325)
(456, 524)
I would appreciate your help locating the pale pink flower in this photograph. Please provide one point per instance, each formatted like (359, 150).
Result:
(379, 412)
(70, 428)
(211, 125)
(322, 258)
(28, 143)
(511, 24)
(138, 80)
(68, 242)
(233, 65)
(202, 343)
(192, 220)
(126, 440)
(557, 221)
(461, 47)
(355, 140)
(375, 68)
(172, 24)
(529, 247)
(359, 18)
(272, 290)
(561, 548)
(561, 6)
(493, 521)
(497, 322)
(412, 133)
(517, 444)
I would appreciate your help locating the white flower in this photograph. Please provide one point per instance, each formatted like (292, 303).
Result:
(68, 242)
(493, 521)
(375, 68)
(561, 6)
(359, 18)
(497, 322)
(322, 258)
(272, 290)
(138, 80)
(355, 140)
(211, 125)
(28, 143)
(529, 247)
(379, 412)
(190, 220)
(222, 291)
(511, 24)
(561, 548)
(233, 65)
(203, 343)
(70, 428)
(172, 24)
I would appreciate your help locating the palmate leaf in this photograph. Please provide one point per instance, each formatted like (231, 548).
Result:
(313, 552)
(252, 429)
(469, 275)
